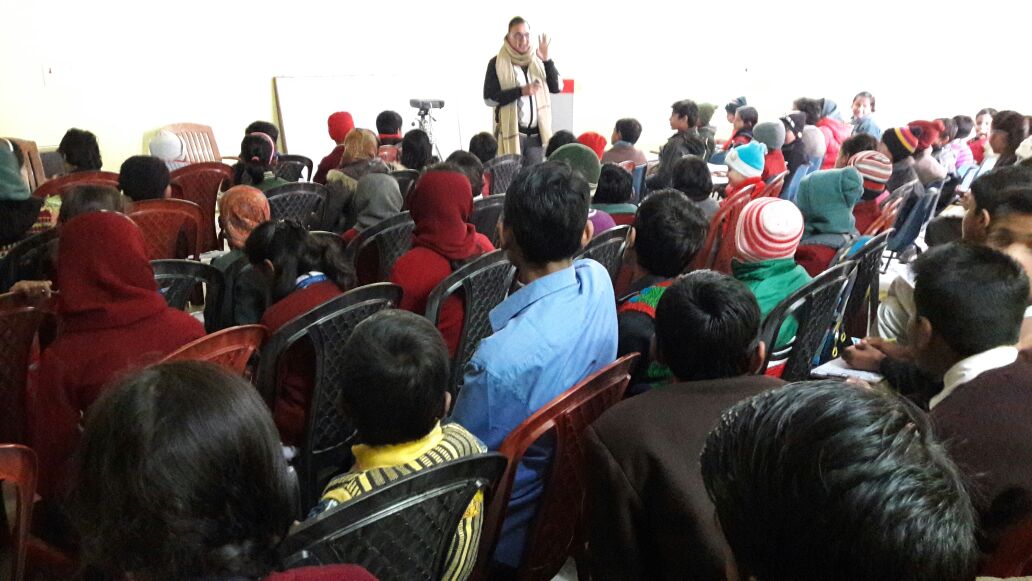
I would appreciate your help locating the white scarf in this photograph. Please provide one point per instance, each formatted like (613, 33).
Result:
(507, 130)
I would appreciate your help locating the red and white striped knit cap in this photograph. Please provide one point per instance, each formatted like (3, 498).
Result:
(768, 228)
(874, 167)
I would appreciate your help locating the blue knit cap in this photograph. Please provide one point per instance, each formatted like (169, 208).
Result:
(747, 159)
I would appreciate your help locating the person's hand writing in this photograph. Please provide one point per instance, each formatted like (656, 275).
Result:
(890, 348)
(863, 356)
(33, 289)
(543, 43)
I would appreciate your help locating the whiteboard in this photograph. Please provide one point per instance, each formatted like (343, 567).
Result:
(304, 103)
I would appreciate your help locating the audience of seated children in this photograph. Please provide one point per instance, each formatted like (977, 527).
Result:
(649, 516)
(744, 167)
(614, 192)
(826, 200)
(474, 170)
(835, 131)
(377, 198)
(583, 161)
(742, 126)
(18, 206)
(899, 145)
(707, 132)
(443, 240)
(112, 318)
(875, 169)
(339, 125)
(303, 272)
(625, 135)
(929, 171)
(684, 119)
(854, 145)
(668, 232)
(143, 177)
(359, 159)
(863, 118)
(556, 330)
(398, 422)
(772, 135)
(594, 141)
(485, 146)
(245, 292)
(691, 176)
(766, 239)
(793, 150)
(978, 143)
(827, 480)
(80, 152)
(416, 151)
(388, 128)
(181, 476)
(959, 145)
(1009, 129)
(942, 151)
(257, 163)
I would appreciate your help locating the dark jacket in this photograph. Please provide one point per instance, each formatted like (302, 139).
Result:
(495, 97)
(649, 514)
(679, 145)
(17, 217)
(245, 294)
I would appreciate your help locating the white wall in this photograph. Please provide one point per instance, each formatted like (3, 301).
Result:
(122, 69)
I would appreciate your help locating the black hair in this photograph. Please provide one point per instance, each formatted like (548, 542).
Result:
(89, 198)
(973, 296)
(404, 356)
(707, 325)
(748, 115)
(416, 152)
(79, 148)
(687, 108)
(468, 164)
(988, 191)
(484, 146)
(1019, 201)
(256, 153)
(827, 480)
(388, 123)
(949, 128)
(516, 21)
(1015, 125)
(690, 175)
(731, 106)
(811, 108)
(669, 231)
(986, 111)
(559, 139)
(294, 252)
(865, 95)
(964, 125)
(629, 129)
(615, 185)
(181, 476)
(264, 127)
(546, 208)
(143, 177)
(857, 143)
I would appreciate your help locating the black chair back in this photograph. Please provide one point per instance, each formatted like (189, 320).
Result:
(503, 170)
(406, 180)
(16, 263)
(815, 307)
(290, 167)
(300, 202)
(862, 307)
(327, 431)
(402, 530)
(486, 213)
(917, 210)
(178, 279)
(607, 248)
(389, 238)
(483, 283)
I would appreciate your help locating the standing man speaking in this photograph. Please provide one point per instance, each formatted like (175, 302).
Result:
(518, 84)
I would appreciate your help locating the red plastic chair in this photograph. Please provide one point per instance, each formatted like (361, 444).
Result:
(389, 153)
(62, 185)
(1013, 555)
(163, 222)
(18, 467)
(200, 183)
(721, 234)
(886, 220)
(628, 166)
(624, 219)
(231, 348)
(18, 328)
(773, 189)
(557, 530)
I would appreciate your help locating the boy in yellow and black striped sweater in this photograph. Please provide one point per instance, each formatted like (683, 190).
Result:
(397, 369)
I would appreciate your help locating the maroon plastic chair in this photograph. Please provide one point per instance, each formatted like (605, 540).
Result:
(773, 189)
(18, 328)
(164, 223)
(18, 467)
(200, 183)
(624, 219)
(62, 185)
(558, 528)
(721, 233)
(231, 348)
(1013, 555)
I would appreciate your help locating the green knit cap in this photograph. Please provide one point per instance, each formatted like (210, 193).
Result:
(581, 158)
(826, 199)
(706, 111)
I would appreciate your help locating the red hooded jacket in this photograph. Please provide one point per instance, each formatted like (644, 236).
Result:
(835, 132)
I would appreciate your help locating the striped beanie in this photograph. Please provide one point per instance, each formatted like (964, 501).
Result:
(874, 167)
(901, 141)
(768, 228)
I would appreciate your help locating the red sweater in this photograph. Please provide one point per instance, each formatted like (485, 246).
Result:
(835, 132)
(865, 213)
(773, 164)
(296, 371)
(329, 162)
(323, 573)
(815, 258)
(417, 272)
(731, 190)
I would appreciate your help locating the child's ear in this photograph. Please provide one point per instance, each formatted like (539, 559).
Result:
(168, 192)
(589, 232)
(447, 405)
(757, 356)
(632, 237)
(921, 331)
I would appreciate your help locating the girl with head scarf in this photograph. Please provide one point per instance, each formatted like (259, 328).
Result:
(359, 159)
(441, 205)
(112, 319)
(377, 198)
